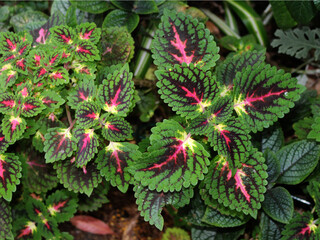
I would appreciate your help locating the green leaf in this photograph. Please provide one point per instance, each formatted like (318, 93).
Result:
(297, 161)
(62, 35)
(175, 233)
(5, 220)
(298, 42)
(272, 140)
(3, 143)
(187, 89)
(59, 6)
(303, 127)
(59, 144)
(278, 204)
(86, 51)
(301, 11)
(78, 179)
(117, 46)
(273, 163)
(61, 205)
(119, 18)
(26, 228)
(58, 76)
(281, 14)
(88, 32)
(87, 114)
(116, 129)
(87, 146)
(28, 20)
(180, 38)
(52, 100)
(242, 191)
(4, 13)
(10, 174)
(13, 127)
(83, 92)
(262, 94)
(150, 203)
(84, 71)
(114, 161)
(269, 229)
(116, 92)
(94, 6)
(315, 130)
(96, 200)
(7, 102)
(173, 160)
(301, 227)
(314, 191)
(137, 6)
(204, 233)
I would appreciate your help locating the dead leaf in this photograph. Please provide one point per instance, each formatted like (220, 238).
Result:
(91, 225)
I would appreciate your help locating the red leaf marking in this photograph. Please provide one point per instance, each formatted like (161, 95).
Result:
(226, 138)
(251, 99)
(83, 50)
(112, 127)
(22, 49)
(1, 139)
(181, 47)
(92, 115)
(114, 102)
(14, 122)
(9, 77)
(12, 46)
(239, 184)
(86, 141)
(48, 101)
(42, 36)
(65, 55)
(82, 96)
(37, 58)
(42, 71)
(11, 57)
(64, 38)
(85, 70)
(194, 96)
(8, 103)
(86, 35)
(57, 207)
(57, 75)
(30, 228)
(24, 92)
(118, 160)
(304, 230)
(28, 107)
(20, 64)
(31, 164)
(52, 60)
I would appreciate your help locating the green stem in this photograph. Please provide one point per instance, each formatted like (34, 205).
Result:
(230, 19)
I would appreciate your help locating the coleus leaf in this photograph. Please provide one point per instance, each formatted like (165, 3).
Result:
(35, 58)
(116, 93)
(301, 227)
(173, 160)
(187, 89)
(26, 229)
(78, 179)
(39, 176)
(180, 38)
(61, 205)
(37, 211)
(88, 32)
(278, 204)
(10, 174)
(116, 129)
(150, 203)
(9, 42)
(5, 220)
(297, 161)
(226, 71)
(7, 102)
(303, 127)
(210, 233)
(230, 139)
(84, 92)
(114, 161)
(315, 130)
(175, 233)
(84, 70)
(86, 51)
(58, 76)
(96, 200)
(117, 46)
(87, 114)
(8, 78)
(242, 191)
(3, 143)
(87, 146)
(59, 144)
(63, 35)
(31, 107)
(51, 99)
(314, 191)
(262, 94)
(13, 127)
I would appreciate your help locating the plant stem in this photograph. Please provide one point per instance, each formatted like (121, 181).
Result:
(69, 115)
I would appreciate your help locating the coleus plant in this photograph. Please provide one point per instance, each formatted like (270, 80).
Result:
(56, 88)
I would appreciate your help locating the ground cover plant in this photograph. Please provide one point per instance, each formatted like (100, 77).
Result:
(196, 135)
